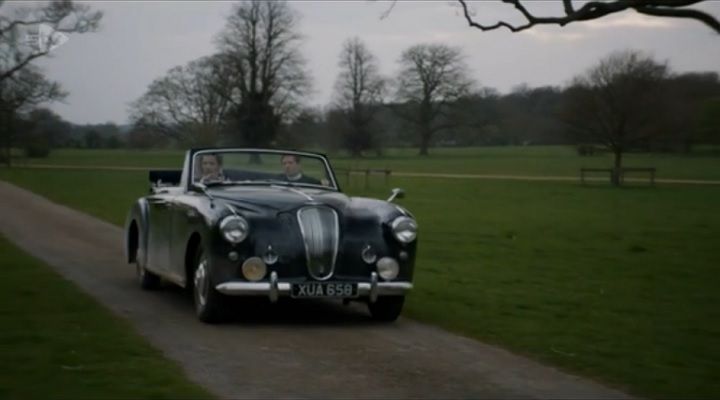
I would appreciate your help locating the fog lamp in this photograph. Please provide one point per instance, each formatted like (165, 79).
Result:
(254, 269)
(388, 268)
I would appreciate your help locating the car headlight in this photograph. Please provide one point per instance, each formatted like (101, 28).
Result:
(404, 229)
(234, 228)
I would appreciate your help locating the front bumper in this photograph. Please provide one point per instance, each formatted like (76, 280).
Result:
(274, 289)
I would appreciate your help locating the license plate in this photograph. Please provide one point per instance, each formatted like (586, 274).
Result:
(324, 289)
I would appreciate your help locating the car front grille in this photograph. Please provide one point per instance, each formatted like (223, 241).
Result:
(320, 230)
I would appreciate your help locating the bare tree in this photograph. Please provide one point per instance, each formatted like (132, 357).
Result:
(262, 68)
(185, 104)
(359, 91)
(20, 92)
(23, 85)
(432, 77)
(616, 102)
(19, 23)
(590, 10)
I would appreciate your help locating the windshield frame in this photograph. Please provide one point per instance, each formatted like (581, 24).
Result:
(330, 173)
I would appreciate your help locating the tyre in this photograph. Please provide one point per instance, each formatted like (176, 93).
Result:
(386, 308)
(147, 279)
(208, 301)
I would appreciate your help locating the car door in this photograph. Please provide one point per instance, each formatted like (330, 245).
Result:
(159, 231)
(184, 221)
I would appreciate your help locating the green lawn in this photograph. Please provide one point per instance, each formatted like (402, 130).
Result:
(615, 284)
(57, 342)
(531, 160)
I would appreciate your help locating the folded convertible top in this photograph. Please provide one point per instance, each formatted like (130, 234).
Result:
(165, 177)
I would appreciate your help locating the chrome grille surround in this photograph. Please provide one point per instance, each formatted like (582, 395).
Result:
(320, 229)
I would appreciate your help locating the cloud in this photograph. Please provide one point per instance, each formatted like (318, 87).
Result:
(578, 31)
(630, 20)
(545, 36)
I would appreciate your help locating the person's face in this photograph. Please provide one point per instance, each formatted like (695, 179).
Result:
(210, 166)
(290, 166)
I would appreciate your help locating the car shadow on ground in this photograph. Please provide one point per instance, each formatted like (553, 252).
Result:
(256, 311)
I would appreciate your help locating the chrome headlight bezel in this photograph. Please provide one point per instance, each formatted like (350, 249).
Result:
(234, 229)
(404, 229)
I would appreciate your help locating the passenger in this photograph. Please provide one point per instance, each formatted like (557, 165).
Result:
(292, 171)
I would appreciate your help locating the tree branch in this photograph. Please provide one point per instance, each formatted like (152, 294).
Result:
(691, 14)
(595, 10)
(389, 10)
(61, 15)
(7, 74)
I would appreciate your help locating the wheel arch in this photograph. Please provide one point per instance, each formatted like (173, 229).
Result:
(136, 227)
(133, 242)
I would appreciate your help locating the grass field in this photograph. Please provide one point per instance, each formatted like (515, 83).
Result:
(57, 342)
(615, 284)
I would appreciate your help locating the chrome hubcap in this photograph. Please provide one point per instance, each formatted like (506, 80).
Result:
(201, 284)
(140, 271)
(139, 266)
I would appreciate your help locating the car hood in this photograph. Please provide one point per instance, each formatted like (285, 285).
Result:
(282, 199)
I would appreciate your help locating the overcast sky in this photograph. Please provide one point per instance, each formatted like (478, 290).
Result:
(140, 41)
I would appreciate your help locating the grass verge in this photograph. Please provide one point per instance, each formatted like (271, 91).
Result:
(57, 342)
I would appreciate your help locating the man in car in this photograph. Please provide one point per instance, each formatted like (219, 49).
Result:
(292, 171)
(211, 168)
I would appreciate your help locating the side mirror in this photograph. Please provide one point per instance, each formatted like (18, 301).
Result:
(396, 193)
(198, 187)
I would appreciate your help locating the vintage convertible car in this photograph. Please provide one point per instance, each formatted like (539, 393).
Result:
(271, 223)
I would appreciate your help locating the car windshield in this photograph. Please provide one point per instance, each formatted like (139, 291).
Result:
(237, 167)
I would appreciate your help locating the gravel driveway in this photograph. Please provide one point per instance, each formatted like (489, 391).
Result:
(299, 350)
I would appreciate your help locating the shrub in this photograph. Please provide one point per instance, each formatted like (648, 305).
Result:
(586, 149)
(37, 147)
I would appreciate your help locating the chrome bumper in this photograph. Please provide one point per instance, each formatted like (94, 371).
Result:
(274, 289)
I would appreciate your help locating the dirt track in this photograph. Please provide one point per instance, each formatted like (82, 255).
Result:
(311, 350)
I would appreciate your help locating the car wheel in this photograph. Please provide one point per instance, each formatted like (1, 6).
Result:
(208, 301)
(386, 308)
(147, 279)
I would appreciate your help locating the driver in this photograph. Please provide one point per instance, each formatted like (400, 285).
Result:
(292, 171)
(211, 168)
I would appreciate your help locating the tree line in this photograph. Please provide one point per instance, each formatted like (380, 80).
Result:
(252, 91)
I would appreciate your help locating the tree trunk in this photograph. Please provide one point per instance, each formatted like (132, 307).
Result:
(6, 123)
(616, 177)
(425, 135)
(425, 119)
(423, 146)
